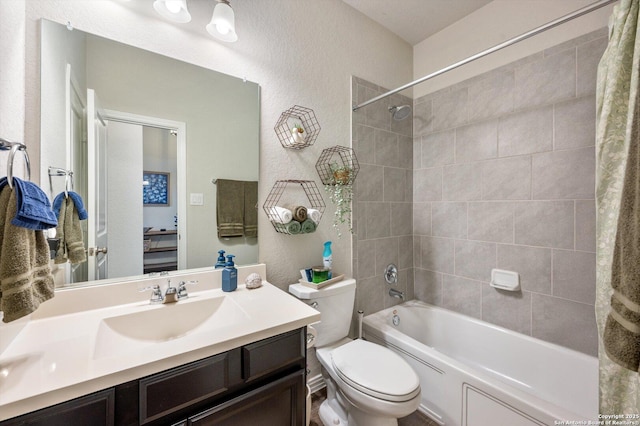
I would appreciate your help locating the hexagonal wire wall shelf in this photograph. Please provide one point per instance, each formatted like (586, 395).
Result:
(291, 122)
(337, 164)
(273, 200)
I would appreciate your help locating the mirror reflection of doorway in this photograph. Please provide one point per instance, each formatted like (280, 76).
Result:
(159, 210)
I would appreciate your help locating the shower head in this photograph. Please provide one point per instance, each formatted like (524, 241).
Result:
(400, 112)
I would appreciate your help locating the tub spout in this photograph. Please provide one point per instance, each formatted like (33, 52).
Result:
(396, 293)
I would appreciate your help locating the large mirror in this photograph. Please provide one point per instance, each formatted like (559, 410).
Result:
(147, 138)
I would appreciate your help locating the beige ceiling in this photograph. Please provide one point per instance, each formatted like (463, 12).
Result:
(416, 20)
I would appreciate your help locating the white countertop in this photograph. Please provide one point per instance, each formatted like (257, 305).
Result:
(56, 356)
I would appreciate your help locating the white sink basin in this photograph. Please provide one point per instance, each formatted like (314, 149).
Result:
(151, 324)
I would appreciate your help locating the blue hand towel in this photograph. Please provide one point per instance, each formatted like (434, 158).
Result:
(33, 207)
(77, 201)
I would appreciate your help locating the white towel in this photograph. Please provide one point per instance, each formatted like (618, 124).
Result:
(315, 215)
(280, 215)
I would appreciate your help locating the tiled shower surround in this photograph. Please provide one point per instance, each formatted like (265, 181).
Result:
(503, 177)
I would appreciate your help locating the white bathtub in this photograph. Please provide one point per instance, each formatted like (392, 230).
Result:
(473, 373)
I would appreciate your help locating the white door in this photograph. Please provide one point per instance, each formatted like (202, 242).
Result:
(97, 189)
(76, 160)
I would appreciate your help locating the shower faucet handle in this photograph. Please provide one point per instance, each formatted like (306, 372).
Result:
(391, 274)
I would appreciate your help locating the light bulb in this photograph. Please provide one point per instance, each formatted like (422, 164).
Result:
(173, 6)
(222, 25)
(173, 10)
(222, 28)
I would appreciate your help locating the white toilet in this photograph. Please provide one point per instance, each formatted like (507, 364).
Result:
(367, 384)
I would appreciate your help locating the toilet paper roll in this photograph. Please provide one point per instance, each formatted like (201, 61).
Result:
(312, 335)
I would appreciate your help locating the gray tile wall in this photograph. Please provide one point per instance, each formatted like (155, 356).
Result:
(382, 209)
(494, 172)
(503, 177)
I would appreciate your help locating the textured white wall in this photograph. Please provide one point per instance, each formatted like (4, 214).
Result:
(491, 25)
(12, 101)
(300, 51)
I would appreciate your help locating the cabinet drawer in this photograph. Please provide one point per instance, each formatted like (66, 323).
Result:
(95, 409)
(273, 354)
(173, 390)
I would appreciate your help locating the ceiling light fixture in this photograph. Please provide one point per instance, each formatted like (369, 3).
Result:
(222, 25)
(174, 10)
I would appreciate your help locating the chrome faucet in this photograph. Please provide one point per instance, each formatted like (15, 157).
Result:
(171, 294)
(396, 293)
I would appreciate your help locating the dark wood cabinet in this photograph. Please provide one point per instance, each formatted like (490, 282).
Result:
(95, 409)
(260, 382)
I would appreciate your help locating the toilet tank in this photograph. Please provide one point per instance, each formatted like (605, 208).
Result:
(335, 303)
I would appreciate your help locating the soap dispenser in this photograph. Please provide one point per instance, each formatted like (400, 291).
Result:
(220, 263)
(229, 275)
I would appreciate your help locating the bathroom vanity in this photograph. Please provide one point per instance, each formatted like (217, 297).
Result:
(232, 358)
(259, 383)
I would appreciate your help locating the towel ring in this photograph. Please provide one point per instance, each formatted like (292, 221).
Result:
(12, 153)
(68, 179)
(68, 183)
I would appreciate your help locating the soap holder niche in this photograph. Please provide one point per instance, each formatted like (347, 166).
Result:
(297, 127)
(287, 194)
(505, 280)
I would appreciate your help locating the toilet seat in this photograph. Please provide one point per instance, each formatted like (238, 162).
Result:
(375, 371)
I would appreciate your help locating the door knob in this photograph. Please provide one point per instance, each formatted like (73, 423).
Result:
(94, 251)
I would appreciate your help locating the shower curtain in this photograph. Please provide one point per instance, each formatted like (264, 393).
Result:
(617, 123)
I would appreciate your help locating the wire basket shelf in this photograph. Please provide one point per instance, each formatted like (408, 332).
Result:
(337, 165)
(311, 192)
(297, 127)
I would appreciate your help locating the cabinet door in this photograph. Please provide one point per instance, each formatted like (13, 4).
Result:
(95, 410)
(279, 403)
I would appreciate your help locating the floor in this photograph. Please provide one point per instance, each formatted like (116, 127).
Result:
(414, 419)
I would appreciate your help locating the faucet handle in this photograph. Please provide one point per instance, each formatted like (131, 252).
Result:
(156, 293)
(170, 289)
(182, 288)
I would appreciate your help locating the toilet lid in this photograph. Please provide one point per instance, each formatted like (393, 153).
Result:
(376, 371)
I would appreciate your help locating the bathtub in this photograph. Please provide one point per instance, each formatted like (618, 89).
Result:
(473, 373)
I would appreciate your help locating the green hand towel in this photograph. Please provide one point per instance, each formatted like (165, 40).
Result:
(230, 208)
(73, 234)
(308, 226)
(251, 209)
(25, 275)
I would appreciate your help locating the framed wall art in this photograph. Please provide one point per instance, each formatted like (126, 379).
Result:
(155, 188)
